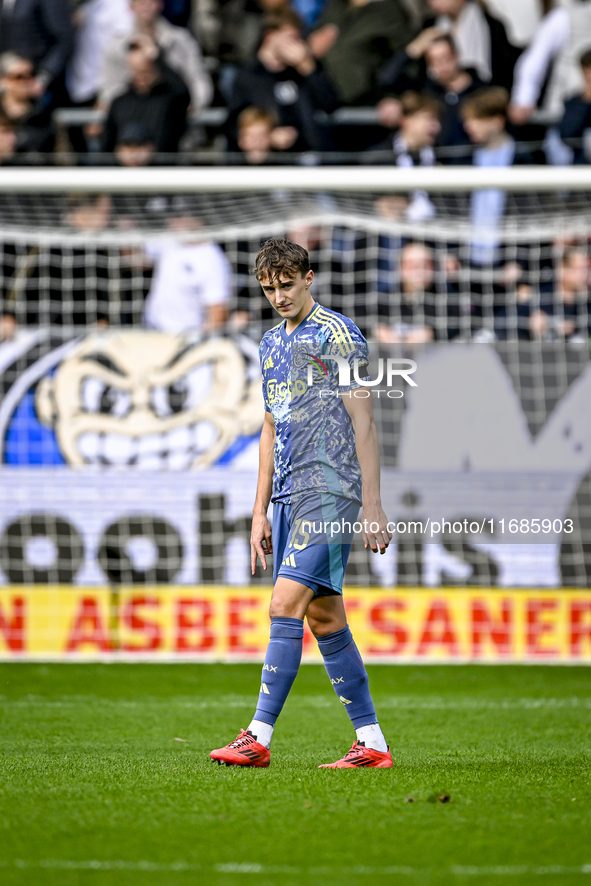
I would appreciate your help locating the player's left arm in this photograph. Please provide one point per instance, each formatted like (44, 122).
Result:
(360, 411)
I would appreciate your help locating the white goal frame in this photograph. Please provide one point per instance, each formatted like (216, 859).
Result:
(178, 179)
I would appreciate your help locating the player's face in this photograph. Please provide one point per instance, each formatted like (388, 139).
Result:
(290, 296)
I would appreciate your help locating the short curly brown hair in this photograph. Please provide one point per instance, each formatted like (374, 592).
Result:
(280, 256)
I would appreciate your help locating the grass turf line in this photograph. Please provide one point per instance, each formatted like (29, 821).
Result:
(94, 788)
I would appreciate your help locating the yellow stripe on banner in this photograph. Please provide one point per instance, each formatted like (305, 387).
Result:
(158, 623)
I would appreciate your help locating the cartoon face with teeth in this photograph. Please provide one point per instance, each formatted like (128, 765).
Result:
(151, 400)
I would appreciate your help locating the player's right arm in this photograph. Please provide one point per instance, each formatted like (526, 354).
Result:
(260, 538)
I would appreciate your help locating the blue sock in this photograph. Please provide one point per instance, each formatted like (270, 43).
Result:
(282, 663)
(347, 674)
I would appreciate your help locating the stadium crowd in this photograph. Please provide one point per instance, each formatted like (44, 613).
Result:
(262, 82)
(262, 79)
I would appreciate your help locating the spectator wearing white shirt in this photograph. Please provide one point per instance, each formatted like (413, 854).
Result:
(97, 22)
(191, 285)
(481, 39)
(560, 40)
(178, 49)
(520, 19)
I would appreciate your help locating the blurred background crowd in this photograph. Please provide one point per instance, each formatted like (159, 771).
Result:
(139, 82)
(134, 83)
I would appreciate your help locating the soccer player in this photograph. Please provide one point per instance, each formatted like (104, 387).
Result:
(318, 462)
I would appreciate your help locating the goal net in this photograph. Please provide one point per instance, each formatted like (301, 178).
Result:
(129, 455)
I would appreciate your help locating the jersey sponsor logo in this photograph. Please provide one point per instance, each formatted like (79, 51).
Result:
(280, 391)
(290, 561)
(345, 700)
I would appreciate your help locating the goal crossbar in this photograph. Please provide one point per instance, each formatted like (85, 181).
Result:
(319, 178)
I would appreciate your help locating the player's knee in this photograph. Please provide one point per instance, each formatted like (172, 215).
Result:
(283, 609)
(322, 625)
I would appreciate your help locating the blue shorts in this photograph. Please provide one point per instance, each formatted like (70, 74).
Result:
(307, 548)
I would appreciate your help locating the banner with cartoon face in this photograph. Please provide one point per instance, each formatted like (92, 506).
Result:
(131, 457)
(135, 399)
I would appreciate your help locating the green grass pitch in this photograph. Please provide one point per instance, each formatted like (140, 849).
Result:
(96, 788)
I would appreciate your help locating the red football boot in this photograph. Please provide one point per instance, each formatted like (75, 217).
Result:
(245, 751)
(360, 756)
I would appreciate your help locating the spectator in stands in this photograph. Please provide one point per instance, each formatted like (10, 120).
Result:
(520, 18)
(564, 310)
(287, 81)
(430, 64)
(7, 141)
(192, 281)
(354, 38)
(417, 313)
(98, 23)
(575, 125)
(156, 100)
(40, 30)
(485, 120)
(258, 133)
(255, 134)
(31, 116)
(135, 146)
(411, 145)
(178, 49)
(231, 31)
(419, 126)
(481, 39)
(552, 59)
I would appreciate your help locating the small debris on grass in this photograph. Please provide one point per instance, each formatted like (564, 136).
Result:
(180, 739)
(409, 800)
(444, 797)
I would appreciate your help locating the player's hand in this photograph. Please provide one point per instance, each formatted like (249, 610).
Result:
(375, 533)
(260, 541)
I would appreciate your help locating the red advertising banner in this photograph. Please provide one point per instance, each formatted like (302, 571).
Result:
(231, 624)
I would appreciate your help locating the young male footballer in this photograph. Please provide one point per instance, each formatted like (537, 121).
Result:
(318, 462)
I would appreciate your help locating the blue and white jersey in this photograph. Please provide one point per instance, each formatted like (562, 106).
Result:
(303, 373)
